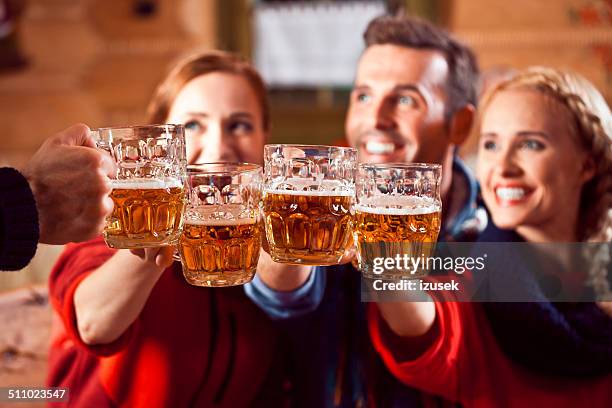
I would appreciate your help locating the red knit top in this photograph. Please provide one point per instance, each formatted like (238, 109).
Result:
(464, 364)
(190, 346)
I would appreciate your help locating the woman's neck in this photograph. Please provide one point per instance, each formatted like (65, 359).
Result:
(561, 227)
(556, 233)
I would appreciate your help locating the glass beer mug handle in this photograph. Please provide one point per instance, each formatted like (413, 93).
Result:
(95, 136)
(100, 143)
(175, 254)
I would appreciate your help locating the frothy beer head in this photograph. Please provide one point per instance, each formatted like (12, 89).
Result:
(212, 222)
(226, 215)
(146, 184)
(311, 188)
(398, 205)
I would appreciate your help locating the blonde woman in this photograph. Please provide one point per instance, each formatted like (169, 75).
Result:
(544, 164)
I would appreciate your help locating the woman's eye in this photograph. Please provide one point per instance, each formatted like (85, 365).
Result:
(489, 145)
(363, 98)
(193, 126)
(532, 145)
(241, 127)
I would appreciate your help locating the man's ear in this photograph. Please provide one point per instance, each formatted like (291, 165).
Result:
(589, 169)
(461, 124)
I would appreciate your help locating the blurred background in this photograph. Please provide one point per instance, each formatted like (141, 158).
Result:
(98, 62)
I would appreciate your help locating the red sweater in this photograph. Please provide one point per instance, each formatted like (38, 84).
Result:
(190, 346)
(464, 364)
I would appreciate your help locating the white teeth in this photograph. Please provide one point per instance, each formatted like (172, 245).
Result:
(374, 147)
(510, 193)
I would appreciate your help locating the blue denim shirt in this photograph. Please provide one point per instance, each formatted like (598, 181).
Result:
(285, 305)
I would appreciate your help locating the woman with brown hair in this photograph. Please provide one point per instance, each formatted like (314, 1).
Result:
(134, 333)
(544, 165)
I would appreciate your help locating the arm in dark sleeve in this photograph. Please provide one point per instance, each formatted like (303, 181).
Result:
(18, 221)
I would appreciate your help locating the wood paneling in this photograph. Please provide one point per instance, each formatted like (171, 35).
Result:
(93, 61)
(575, 35)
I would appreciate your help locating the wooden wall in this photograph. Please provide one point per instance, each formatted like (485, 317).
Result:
(567, 34)
(94, 61)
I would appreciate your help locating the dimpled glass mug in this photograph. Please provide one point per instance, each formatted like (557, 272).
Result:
(398, 212)
(148, 190)
(222, 231)
(308, 194)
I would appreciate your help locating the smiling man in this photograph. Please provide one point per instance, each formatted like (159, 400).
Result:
(413, 101)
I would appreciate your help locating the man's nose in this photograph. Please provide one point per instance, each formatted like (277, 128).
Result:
(383, 114)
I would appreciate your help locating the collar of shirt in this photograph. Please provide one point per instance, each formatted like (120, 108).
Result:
(468, 218)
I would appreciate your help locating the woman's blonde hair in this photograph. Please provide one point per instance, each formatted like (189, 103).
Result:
(199, 64)
(592, 122)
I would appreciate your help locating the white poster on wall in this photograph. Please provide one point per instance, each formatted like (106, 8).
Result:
(311, 44)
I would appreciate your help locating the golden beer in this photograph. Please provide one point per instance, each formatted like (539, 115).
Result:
(308, 227)
(147, 213)
(220, 252)
(383, 232)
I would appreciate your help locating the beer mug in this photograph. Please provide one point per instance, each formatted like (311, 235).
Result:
(397, 215)
(308, 194)
(222, 232)
(148, 189)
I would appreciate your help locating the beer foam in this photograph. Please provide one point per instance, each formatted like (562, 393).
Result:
(311, 188)
(146, 184)
(313, 193)
(213, 215)
(213, 222)
(398, 205)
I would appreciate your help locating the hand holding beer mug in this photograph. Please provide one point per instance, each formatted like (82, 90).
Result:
(308, 194)
(222, 231)
(148, 190)
(397, 215)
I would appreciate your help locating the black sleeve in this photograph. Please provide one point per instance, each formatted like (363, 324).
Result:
(18, 221)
